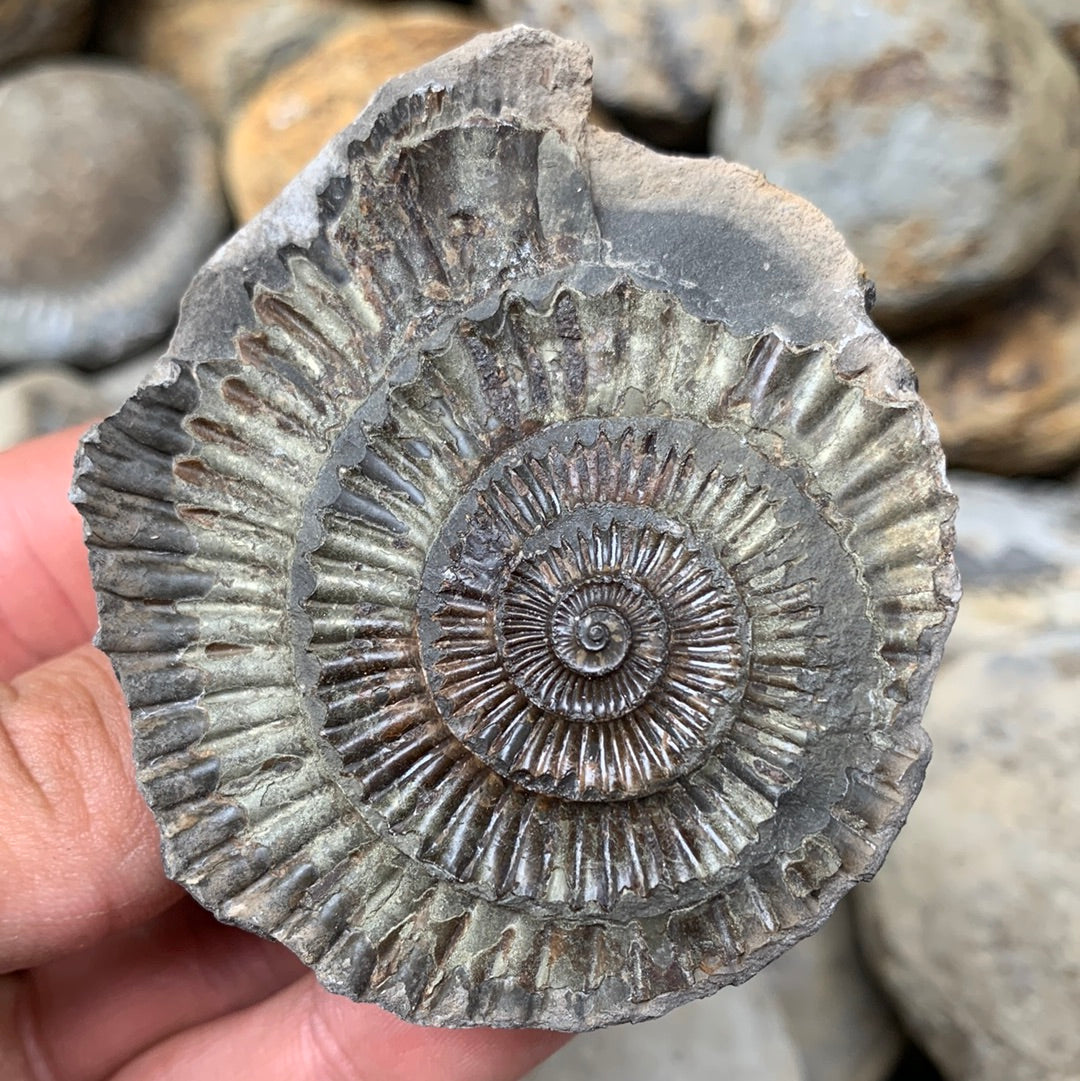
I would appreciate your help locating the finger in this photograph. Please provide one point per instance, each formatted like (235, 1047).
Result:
(78, 847)
(85, 1015)
(46, 601)
(304, 1033)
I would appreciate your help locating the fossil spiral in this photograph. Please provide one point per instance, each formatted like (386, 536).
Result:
(527, 570)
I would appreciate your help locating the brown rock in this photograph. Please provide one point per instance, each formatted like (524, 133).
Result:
(1063, 18)
(31, 27)
(1004, 385)
(285, 125)
(220, 51)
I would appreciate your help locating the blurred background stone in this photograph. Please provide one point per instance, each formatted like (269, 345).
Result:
(812, 1015)
(737, 1034)
(1063, 18)
(110, 199)
(36, 403)
(220, 51)
(1004, 385)
(974, 921)
(32, 27)
(118, 382)
(839, 1021)
(659, 59)
(942, 139)
(297, 110)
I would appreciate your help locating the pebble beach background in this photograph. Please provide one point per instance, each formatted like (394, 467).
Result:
(943, 139)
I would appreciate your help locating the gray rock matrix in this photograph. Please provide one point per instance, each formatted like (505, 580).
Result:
(528, 567)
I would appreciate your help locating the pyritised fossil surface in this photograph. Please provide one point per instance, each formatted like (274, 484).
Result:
(528, 569)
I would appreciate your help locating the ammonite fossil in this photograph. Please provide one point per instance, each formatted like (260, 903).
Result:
(528, 568)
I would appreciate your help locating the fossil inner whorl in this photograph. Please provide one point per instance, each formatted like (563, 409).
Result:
(563, 619)
(549, 611)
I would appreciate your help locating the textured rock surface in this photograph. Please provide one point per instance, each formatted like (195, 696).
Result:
(659, 59)
(110, 200)
(549, 562)
(287, 122)
(36, 403)
(1004, 385)
(220, 52)
(30, 27)
(943, 140)
(974, 923)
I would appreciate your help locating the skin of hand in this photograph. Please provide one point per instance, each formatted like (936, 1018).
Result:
(107, 969)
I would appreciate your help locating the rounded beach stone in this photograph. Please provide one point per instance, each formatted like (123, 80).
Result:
(1004, 385)
(220, 52)
(30, 27)
(110, 198)
(287, 122)
(36, 403)
(737, 1034)
(973, 923)
(943, 140)
(838, 1019)
(657, 59)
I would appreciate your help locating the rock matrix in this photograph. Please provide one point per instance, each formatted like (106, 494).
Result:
(547, 562)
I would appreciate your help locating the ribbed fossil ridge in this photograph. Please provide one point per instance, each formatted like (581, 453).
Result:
(519, 635)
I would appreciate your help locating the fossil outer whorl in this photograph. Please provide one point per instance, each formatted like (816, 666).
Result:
(528, 571)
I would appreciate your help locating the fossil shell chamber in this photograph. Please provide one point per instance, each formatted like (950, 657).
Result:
(528, 569)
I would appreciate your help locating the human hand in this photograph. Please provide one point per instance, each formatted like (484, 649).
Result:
(107, 970)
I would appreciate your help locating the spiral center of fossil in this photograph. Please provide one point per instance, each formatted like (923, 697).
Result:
(580, 640)
(597, 642)
(601, 648)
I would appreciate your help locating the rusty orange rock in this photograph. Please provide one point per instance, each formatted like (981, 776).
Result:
(220, 52)
(1004, 385)
(287, 122)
